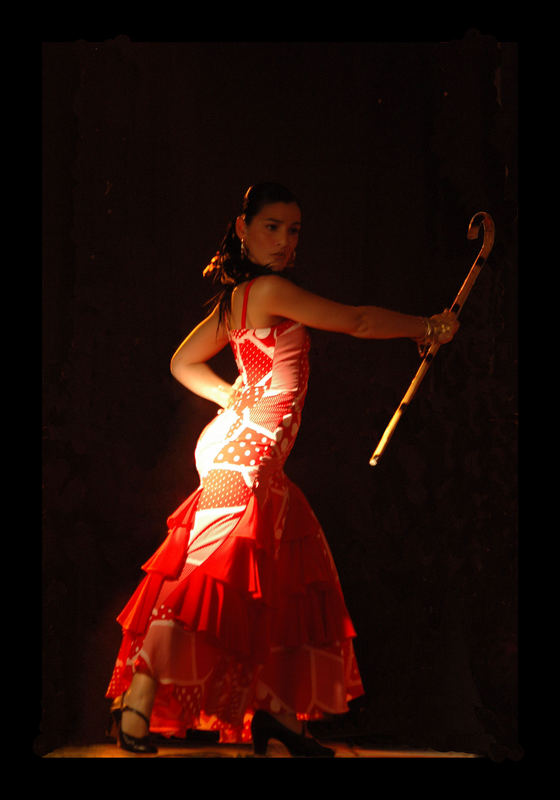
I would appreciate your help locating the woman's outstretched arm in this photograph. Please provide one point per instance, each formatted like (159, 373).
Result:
(279, 297)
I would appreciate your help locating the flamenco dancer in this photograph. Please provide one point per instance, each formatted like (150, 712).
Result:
(239, 624)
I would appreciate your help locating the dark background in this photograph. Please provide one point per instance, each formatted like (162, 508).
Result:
(391, 147)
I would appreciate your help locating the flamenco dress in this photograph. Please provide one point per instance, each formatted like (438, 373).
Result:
(241, 606)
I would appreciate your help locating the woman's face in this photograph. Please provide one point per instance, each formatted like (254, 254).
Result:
(272, 235)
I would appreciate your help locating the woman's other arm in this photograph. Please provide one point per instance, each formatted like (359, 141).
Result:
(189, 367)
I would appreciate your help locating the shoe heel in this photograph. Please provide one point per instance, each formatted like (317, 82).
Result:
(264, 727)
(260, 743)
(112, 730)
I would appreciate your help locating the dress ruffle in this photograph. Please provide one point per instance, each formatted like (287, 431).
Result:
(270, 626)
(245, 597)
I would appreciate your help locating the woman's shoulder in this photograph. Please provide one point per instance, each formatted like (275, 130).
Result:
(269, 283)
(260, 282)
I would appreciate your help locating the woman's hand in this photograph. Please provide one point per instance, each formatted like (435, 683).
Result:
(235, 391)
(440, 329)
(445, 326)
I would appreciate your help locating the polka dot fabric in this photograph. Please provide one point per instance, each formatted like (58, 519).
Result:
(241, 606)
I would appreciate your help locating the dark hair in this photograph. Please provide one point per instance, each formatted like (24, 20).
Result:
(230, 266)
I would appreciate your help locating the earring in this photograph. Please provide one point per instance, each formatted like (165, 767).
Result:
(243, 249)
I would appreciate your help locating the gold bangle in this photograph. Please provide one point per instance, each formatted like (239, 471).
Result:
(428, 336)
(425, 343)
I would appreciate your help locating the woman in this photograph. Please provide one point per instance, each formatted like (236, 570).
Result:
(240, 623)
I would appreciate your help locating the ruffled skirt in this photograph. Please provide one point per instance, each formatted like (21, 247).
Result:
(252, 618)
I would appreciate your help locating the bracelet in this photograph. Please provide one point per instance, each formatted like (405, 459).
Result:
(424, 343)
(428, 329)
(429, 332)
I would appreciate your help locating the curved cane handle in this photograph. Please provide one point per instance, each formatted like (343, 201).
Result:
(484, 219)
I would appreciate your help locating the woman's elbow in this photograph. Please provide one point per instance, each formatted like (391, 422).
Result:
(177, 366)
(359, 323)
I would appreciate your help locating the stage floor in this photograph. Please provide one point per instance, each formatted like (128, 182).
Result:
(275, 750)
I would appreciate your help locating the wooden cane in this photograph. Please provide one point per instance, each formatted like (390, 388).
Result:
(474, 226)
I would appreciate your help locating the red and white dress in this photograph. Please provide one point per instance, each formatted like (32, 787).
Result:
(241, 607)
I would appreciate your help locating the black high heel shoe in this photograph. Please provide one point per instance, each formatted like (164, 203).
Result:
(133, 744)
(264, 727)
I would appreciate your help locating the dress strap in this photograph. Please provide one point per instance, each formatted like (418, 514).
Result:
(245, 299)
